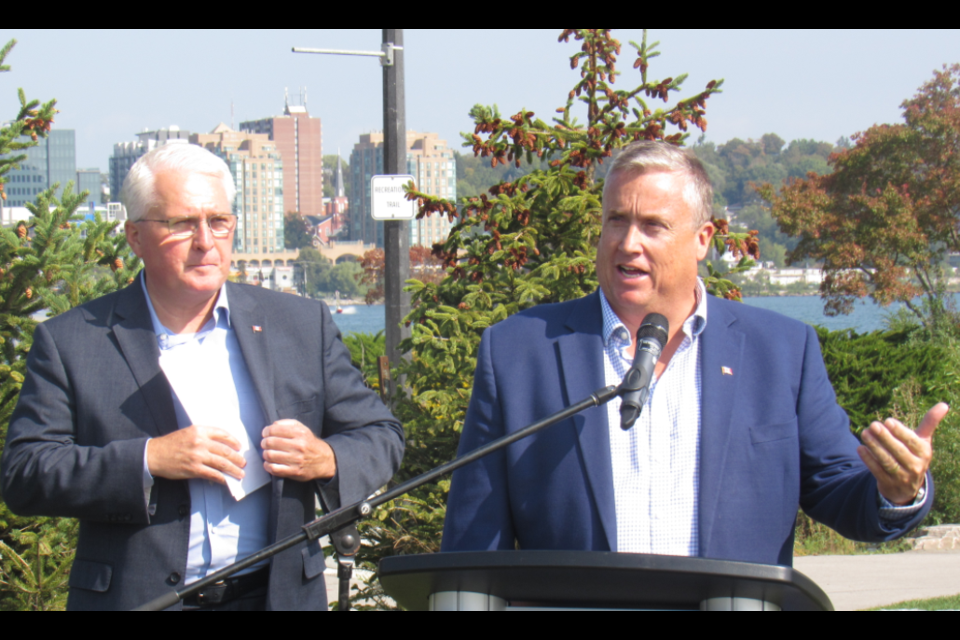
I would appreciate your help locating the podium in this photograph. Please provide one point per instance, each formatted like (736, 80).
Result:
(527, 580)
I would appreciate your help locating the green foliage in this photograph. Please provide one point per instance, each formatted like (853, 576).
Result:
(474, 176)
(525, 242)
(737, 165)
(35, 578)
(323, 278)
(296, 232)
(365, 348)
(945, 603)
(48, 265)
(892, 374)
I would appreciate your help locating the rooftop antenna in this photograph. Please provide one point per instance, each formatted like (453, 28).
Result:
(304, 97)
(286, 99)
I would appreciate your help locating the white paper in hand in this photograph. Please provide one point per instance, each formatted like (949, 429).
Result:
(209, 397)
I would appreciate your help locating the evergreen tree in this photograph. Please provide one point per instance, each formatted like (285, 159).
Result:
(48, 264)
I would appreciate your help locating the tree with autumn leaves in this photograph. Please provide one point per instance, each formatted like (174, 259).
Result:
(883, 222)
(49, 263)
(525, 242)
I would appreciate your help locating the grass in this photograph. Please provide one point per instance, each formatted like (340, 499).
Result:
(933, 604)
(815, 539)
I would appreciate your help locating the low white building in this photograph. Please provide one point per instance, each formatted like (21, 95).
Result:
(784, 277)
(280, 278)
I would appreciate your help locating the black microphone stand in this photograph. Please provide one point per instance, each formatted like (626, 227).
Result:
(346, 516)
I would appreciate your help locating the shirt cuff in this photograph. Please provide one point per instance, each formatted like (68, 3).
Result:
(890, 512)
(147, 477)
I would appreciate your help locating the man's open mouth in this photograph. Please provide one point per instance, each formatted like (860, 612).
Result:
(631, 272)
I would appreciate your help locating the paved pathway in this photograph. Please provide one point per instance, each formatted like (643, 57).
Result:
(863, 582)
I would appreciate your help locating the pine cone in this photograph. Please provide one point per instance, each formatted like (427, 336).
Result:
(22, 231)
(29, 293)
(117, 265)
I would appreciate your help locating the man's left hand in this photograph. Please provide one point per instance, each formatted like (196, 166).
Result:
(290, 450)
(898, 457)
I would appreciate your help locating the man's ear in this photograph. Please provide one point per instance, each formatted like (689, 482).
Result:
(704, 236)
(133, 237)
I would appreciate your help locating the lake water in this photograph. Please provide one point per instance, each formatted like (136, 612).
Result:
(866, 316)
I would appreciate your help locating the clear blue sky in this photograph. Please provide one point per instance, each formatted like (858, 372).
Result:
(110, 84)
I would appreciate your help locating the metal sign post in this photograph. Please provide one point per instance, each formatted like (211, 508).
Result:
(396, 233)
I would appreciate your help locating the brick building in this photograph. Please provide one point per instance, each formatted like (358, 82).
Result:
(298, 138)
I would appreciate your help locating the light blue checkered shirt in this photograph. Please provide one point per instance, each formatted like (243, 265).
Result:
(656, 463)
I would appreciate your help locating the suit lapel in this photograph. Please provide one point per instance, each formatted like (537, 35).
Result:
(134, 332)
(581, 361)
(720, 356)
(252, 330)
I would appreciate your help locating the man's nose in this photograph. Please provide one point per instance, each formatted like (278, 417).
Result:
(203, 238)
(632, 240)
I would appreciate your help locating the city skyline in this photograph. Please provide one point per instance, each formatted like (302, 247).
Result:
(799, 84)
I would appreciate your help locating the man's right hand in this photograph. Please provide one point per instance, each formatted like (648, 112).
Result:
(195, 452)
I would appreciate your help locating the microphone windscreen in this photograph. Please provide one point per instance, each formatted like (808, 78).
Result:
(654, 326)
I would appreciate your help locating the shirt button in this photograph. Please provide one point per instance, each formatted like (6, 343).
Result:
(174, 578)
(183, 511)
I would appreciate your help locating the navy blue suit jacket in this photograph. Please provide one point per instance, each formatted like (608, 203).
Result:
(94, 393)
(773, 439)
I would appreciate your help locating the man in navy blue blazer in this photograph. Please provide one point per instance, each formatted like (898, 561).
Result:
(741, 427)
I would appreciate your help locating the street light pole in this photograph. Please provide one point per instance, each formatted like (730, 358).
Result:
(396, 233)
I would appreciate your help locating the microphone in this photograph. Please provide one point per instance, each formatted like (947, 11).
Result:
(651, 337)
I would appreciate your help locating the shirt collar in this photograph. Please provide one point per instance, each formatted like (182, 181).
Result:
(167, 338)
(613, 327)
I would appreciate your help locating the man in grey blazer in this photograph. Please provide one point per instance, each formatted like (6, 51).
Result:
(188, 421)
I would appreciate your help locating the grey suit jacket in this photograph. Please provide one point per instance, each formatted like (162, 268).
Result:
(94, 393)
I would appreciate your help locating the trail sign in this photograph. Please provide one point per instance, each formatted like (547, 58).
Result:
(389, 201)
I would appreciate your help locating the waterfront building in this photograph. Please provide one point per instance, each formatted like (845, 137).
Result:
(429, 160)
(257, 170)
(298, 138)
(125, 154)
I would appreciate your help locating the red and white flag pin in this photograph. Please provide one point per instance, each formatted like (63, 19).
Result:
(257, 328)
(727, 371)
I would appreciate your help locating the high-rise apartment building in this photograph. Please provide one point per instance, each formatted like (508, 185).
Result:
(52, 161)
(298, 137)
(429, 160)
(258, 172)
(125, 154)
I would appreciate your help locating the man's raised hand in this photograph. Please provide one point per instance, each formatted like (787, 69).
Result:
(899, 457)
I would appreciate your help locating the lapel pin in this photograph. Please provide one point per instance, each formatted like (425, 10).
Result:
(727, 371)
(257, 328)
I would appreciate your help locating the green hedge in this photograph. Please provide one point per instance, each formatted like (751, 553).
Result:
(882, 374)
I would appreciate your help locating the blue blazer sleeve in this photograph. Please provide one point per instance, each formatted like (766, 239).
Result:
(478, 511)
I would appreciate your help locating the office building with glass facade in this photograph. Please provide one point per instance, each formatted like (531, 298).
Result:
(52, 161)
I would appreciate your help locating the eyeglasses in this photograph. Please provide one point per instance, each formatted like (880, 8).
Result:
(186, 227)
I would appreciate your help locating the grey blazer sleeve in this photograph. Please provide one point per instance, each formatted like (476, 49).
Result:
(365, 437)
(46, 471)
